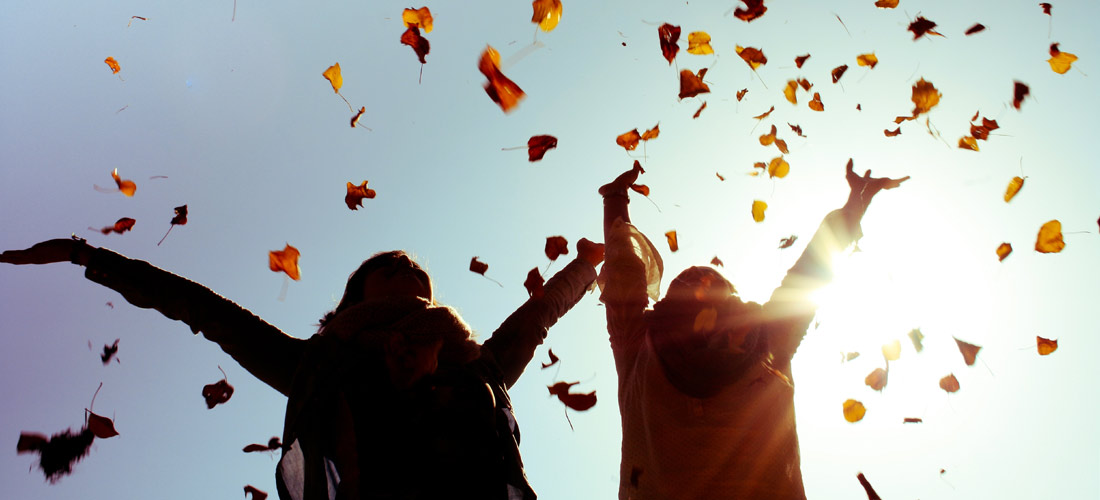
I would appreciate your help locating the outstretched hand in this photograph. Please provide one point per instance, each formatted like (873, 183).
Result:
(623, 181)
(49, 251)
(866, 187)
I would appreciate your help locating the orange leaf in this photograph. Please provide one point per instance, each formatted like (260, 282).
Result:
(672, 244)
(419, 44)
(922, 26)
(534, 283)
(546, 13)
(126, 187)
(753, 57)
(925, 97)
(1019, 92)
(753, 9)
(355, 119)
(867, 60)
(356, 194)
(418, 18)
(892, 133)
(1045, 346)
(102, 427)
(1060, 61)
(765, 114)
(500, 89)
(876, 379)
(121, 226)
(478, 266)
(700, 110)
(113, 64)
(699, 43)
(1014, 187)
(892, 350)
(839, 72)
(789, 91)
(758, 208)
(652, 133)
(538, 145)
(629, 140)
(886, 4)
(768, 138)
(332, 74)
(778, 167)
(854, 411)
(805, 84)
(968, 143)
(285, 260)
(1050, 238)
(741, 94)
(816, 104)
(949, 383)
(716, 262)
(691, 84)
(800, 60)
(556, 246)
(982, 131)
(669, 35)
(969, 351)
(1003, 250)
(641, 189)
(577, 402)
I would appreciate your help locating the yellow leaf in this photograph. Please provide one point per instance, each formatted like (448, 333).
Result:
(547, 13)
(854, 411)
(778, 167)
(699, 43)
(1003, 251)
(892, 351)
(332, 74)
(1050, 238)
(925, 97)
(1045, 346)
(968, 143)
(113, 64)
(1014, 187)
(789, 91)
(867, 60)
(758, 208)
(1060, 61)
(672, 244)
(418, 18)
(704, 321)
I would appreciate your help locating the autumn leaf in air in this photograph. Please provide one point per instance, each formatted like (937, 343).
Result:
(949, 383)
(534, 283)
(886, 4)
(892, 350)
(922, 26)
(1014, 187)
(273, 444)
(629, 140)
(478, 266)
(109, 351)
(285, 260)
(892, 133)
(652, 133)
(641, 189)
(575, 401)
(356, 194)
(700, 110)
(917, 338)
(1060, 61)
(126, 187)
(789, 91)
(765, 114)
(217, 393)
(101, 427)
(546, 13)
(538, 145)
(815, 103)
(500, 89)
(981, 132)
(876, 379)
(796, 129)
(753, 9)
(120, 226)
(869, 60)
(673, 245)
(754, 57)
(969, 351)
(332, 74)
(800, 60)
(716, 262)
(977, 28)
(778, 167)
(1045, 346)
(741, 94)
(758, 208)
(925, 97)
(256, 493)
(787, 242)
(113, 64)
(854, 410)
(553, 360)
(556, 246)
(691, 84)
(418, 18)
(699, 43)
(1046, 8)
(1003, 250)
(839, 72)
(58, 453)
(1019, 92)
(419, 44)
(669, 35)
(968, 143)
(358, 115)
(179, 219)
(1050, 238)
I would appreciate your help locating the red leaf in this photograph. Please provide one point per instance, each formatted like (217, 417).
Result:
(1019, 92)
(419, 44)
(922, 26)
(109, 352)
(798, 61)
(121, 226)
(478, 266)
(975, 29)
(839, 72)
(753, 9)
(553, 360)
(538, 145)
(577, 402)
(556, 246)
(217, 393)
(256, 494)
(1046, 8)
(669, 35)
(102, 427)
(533, 283)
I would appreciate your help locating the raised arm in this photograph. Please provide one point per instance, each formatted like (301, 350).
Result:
(789, 311)
(263, 350)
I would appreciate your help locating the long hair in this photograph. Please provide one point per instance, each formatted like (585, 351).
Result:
(353, 291)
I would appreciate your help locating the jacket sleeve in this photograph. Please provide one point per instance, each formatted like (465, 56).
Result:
(513, 343)
(259, 347)
(790, 309)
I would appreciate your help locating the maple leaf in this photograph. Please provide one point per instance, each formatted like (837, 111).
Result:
(358, 115)
(1050, 238)
(534, 283)
(758, 208)
(815, 103)
(699, 43)
(257, 494)
(922, 26)
(419, 44)
(891, 350)
(949, 383)
(101, 427)
(753, 10)
(1014, 187)
(672, 243)
(969, 351)
(700, 110)
(218, 392)
(113, 64)
(553, 360)
(120, 226)
(1060, 61)
(538, 145)
(669, 35)
(575, 401)
(1003, 250)
(109, 351)
(59, 453)
(741, 94)
(839, 72)
(886, 4)
(556, 246)
(356, 194)
(853, 410)
(754, 57)
(892, 133)
(876, 379)
(126, 187)
(1019, 92)
(285, 260)
(691, 84)
(1045, 346)
(869, 60)
(787, 242)
(179, 219)
(546, 13)
(765, 114)
(977, 28)
(800, 60)
(500, 89)
(418, 18)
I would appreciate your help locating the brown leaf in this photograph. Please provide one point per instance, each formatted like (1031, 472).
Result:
(1046, 8)
(977, 28)
(478, 266)
(109, 351)
(741, 94)
(669, 35)
(876, 379)
(1050, 238)
(59, 453)
(556, 246)
(691, 84)
(102, 427)
(652, 133)
(716, 262)
(553, 360)
(419, 44)
(354, 198)
(358, 115)
(285, 260)
(700, 110)
(217, 393)
(886, 4)
(640, 189)
(753, 10)
(949, 383)
(765, 114)
(256, 493)
(922, 26)
(839, 72)
(500, 89)
(754, 57)
(1045, 346)
(629, 140)
(800, 60)
(787, 242)
(577, 402)
(538, 145)
(969, 351)
(797, 129)
(534, 283)
(892, 133)
(816, 104)
(1019, 92)
(121, 226)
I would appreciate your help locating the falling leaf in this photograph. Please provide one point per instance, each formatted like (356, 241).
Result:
(669, 35)
(59, 453)
(797, 129)
(356, 194)
(556, 246)
(968, 143)
(126, 187)
(652, 133)
(753, 9)
(672, 244)
(1019, 92)
(121, 226)
(1045, 346)
(854, 411)
(358, 115)
(800, 60)
(968, 350)
(256, 493)
(716, 262)
(1060, 61)
(912, 420)
(869, 60)
(500, 89)
(113, 64)
(101, 427)
(179, 219)
(752, 56)
(720, 178)
(332, 74)
(805, 84)
(1050, 238)
(886, 4)
(534, 283)
(981, 132)
(629, 140)
(418, 18)
(419, 44)
(922, 26)
(553, 360)
(1014, 187)
(1003, 250)
(641, 189)
(768, 138)
(1046, 8)
(273, 444)
(705, 320)
(741, 94)
(925, 97)
(979, 27)
(787, 242)
(575, 401)
(892, 133)
(789, 91)
(891, 350)
(758, 208)
(839, 72)
(876, 379)
(538, 145)
(109, 351)
(816, 104)
(285, 260)
(949, 383)
(917, 337)
(867, 488)
(765, 114)
(217, 393)
(546, 14)
(478, 266)
(691, 84)
(699, 43)
(778, 167)
(700, 110)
